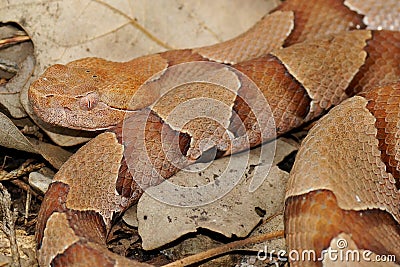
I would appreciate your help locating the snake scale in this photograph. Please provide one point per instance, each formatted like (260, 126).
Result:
(305, 58)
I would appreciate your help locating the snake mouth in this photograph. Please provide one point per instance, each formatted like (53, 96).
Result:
(83, 110)
(100, 117)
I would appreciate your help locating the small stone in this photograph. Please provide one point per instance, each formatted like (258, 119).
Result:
(39, 181)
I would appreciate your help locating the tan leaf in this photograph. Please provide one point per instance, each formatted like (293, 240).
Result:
(233, 214)
(17, 67)
(11, 137)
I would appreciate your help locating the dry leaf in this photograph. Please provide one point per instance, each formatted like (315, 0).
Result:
(11, 137)
(233, 214)
(17, 66)
(10, 91)
(130, 216)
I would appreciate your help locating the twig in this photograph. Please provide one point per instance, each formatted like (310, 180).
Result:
(27, 205)
(270, 218)
(224, 249)
(4, 161)
(21, 171)
(14, 40)
(26, 188)
(9, 219)
(8, 66)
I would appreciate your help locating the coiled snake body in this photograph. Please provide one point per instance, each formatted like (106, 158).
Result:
(346, 175)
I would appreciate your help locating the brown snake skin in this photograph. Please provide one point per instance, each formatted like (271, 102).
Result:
(304, 60)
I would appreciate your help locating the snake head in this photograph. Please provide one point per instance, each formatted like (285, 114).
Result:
(73, 96)
(92, 93)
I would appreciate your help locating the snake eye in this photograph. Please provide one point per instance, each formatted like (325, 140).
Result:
(89, 101)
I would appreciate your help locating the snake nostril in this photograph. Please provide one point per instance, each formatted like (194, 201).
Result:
(94, 76)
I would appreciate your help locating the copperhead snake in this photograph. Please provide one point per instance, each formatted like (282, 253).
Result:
(303, 60)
